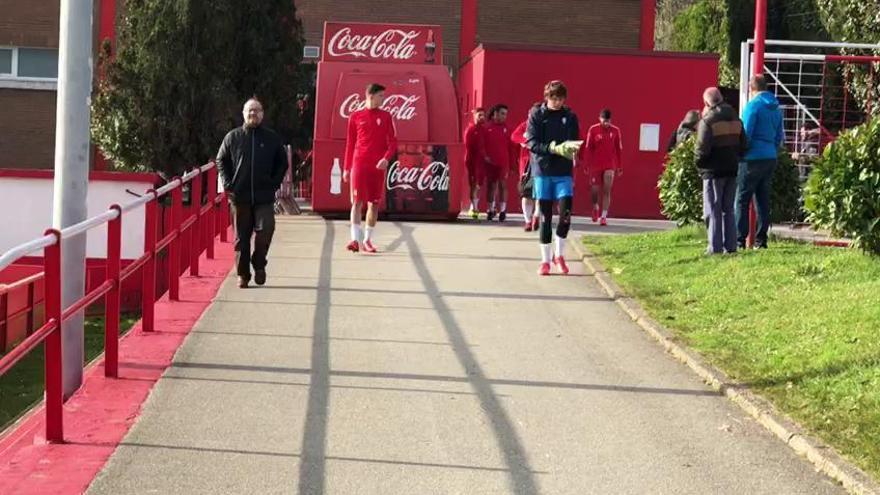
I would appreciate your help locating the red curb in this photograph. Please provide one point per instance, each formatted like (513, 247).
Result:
(99, 415)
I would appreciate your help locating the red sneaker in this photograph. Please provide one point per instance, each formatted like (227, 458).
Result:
(353, 246)
(528, 227)
(544, 270)
(603, 222)
(595, 215)
(535, 223)
(369, 248)
(560, 264)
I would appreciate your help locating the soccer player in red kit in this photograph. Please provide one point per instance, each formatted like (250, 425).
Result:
(371, 143)
(498, 150)
(475, 158)
(603, 149)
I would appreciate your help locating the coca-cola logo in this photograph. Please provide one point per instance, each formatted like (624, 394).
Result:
(433, 177)
(389, 44)
(401, 107)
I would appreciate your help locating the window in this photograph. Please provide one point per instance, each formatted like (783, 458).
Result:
(6, 61)
(311, 51)
(38, 63)
(28, 64)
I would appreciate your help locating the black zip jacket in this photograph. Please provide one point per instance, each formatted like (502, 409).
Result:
(721, 142)
(252, 164)
(544, 127)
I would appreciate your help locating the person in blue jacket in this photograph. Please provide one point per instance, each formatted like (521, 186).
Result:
(762, 119)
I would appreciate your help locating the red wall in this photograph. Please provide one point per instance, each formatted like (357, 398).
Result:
(639, 87)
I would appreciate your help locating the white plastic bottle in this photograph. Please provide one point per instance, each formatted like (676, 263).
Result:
(336, 178)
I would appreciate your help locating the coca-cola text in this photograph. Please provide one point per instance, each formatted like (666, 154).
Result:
(390, 44)
(401, 107)
(433, 177)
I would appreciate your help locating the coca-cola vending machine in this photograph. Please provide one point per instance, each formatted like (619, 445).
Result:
(424, 178)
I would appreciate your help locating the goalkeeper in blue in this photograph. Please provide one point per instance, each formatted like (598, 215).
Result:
(552, 140)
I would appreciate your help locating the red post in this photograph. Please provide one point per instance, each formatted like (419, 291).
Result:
(646, 30)
(196, 237)
(31, 301)
(757, 70)
(224, 217)
(4, 321)
(174, 248)
(113, 301)
(210, 217)
(148, 277)
(54, 387)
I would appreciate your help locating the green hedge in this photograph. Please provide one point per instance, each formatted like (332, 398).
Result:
(843, 193)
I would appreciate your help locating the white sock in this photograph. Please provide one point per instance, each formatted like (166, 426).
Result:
(368, 234)
(474, 202)
(356, 232)
(504, 206)
(605, 214)
(560, 247)
(545, 252)
(528, 210)
(492, 206)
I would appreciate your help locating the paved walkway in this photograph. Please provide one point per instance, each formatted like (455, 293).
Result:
(444, 365)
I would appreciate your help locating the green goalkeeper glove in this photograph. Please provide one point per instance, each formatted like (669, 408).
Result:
(566, 149)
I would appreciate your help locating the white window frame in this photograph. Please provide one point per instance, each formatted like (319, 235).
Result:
(317, 54)
(14, 81)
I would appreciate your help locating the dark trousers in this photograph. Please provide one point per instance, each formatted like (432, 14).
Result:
(250, 219)
(718, 196)
(754, 180)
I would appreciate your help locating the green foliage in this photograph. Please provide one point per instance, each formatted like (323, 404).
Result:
(182, 72)
(856, 21)
(786, 192)
(680, 185)
(843, 193)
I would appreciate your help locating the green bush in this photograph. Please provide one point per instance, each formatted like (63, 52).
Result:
(680, 186)
(843, 193)
(785, 196)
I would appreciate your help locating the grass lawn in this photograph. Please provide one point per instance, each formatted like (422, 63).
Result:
(22, 386)
(797, 323)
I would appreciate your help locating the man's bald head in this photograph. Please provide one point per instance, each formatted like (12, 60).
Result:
(712, 97)
(253, 113)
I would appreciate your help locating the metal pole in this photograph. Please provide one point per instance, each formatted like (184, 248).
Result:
(757, 70)
(72, 170)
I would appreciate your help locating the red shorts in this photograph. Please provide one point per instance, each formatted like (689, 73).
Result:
(476, 174)
(367, 185)
(495, 174)
(597, 176)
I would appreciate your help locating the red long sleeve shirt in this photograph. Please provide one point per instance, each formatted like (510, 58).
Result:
(371, 137)
(498, 148)
(519, 140)
(603, 147)
(475, 146)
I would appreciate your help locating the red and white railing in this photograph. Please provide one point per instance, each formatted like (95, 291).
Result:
(199, 228)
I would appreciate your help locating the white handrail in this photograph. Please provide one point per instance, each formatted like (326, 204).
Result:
(88, 224)
(819, 44)
(24, 249)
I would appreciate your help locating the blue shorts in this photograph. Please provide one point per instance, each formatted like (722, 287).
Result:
(553, 188)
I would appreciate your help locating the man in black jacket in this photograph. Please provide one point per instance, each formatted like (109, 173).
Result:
(252, 164)
(721, 143)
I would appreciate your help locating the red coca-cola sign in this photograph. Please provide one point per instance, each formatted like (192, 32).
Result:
(385, 43)
(418, 180)
(405, 99)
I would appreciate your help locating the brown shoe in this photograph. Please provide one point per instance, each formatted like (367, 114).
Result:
(260, 277)
(243, 283)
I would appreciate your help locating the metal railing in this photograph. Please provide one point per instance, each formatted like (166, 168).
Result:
(200, 227)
